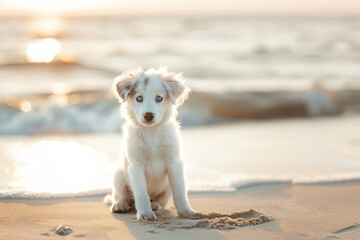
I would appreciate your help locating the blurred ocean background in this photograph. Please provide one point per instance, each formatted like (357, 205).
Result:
(219, 56)
(57, 109)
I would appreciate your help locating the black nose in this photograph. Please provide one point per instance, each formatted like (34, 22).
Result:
(148, 116)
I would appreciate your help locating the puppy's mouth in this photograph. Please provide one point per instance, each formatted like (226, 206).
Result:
(148, 123)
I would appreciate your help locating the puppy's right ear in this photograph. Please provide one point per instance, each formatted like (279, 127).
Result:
(125, 84)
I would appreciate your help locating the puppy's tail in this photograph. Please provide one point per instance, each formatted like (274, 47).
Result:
(108, 200)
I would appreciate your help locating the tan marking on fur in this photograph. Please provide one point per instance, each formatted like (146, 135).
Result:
(132, 90)
(126, 83)
(154, 197)
(131, 195)
(146, 82)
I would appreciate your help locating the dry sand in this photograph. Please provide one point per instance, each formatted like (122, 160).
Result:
(300, 211)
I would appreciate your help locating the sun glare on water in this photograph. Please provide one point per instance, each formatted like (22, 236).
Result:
(25, 106)
(60, 167)
(44, 51)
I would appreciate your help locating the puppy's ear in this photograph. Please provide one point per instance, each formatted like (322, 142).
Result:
(176, 88)
(125, 84)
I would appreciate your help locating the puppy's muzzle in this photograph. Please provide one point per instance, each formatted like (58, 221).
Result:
(149, 116)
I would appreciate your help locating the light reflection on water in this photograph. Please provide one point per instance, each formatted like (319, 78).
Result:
(43, 51)
(59, 167)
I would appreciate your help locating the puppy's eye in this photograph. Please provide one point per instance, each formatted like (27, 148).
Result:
(139, 99)
(159, 99)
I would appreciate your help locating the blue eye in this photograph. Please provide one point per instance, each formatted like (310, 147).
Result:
(159, 99)
(139, 99)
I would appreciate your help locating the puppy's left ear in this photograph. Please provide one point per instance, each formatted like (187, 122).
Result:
(125, 83)
(176, 88)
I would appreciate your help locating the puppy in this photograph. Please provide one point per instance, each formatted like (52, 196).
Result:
(150, 166)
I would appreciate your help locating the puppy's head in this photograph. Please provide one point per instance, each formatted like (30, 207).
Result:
(150, 97)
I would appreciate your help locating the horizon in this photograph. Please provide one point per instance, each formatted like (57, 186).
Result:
(246, 8)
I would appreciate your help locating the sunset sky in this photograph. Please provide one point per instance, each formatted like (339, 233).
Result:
(193, 7)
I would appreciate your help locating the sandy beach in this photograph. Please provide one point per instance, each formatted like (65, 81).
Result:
(329, 211)
(308, 185)
(270, 133)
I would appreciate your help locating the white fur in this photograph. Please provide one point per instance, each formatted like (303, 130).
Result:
(150, 164)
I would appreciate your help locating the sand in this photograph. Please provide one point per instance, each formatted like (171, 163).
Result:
(296, 211)
(328, 211)
(168, 219)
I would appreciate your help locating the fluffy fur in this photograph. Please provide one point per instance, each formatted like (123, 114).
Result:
(150, 166)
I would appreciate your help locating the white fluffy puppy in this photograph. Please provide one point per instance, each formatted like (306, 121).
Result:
(150, 161)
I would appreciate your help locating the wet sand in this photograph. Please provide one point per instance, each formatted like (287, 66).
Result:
(317, 147)
(327, 211)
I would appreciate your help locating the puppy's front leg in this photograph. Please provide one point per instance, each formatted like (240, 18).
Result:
(176, 178)
(138, 186)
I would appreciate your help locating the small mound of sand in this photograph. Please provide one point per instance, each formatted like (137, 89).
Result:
(229, 221)
(170, 221)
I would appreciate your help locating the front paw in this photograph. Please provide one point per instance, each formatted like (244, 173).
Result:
(188, 214)
(145, 215)
(120, 207)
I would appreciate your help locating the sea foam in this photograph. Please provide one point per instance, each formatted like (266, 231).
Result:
(96, 180)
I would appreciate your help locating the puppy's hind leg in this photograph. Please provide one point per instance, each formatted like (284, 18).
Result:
(120, 194)
(161, 201)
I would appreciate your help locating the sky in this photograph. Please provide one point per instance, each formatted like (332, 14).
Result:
(179, 7)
